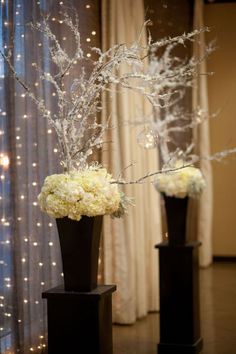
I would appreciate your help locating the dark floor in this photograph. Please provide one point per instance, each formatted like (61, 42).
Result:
(218, 317)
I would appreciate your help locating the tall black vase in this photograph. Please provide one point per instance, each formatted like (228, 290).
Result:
(79, 241)
(176, 218)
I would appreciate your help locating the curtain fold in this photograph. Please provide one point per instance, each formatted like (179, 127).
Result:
(130, 260)
(202, 137)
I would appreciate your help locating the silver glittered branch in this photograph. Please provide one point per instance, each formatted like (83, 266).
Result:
(79, 92)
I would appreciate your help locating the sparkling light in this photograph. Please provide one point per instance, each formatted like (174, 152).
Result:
(4, 161)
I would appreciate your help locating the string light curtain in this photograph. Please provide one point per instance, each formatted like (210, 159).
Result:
(29, 246)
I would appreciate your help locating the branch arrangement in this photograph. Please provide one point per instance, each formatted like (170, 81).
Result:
(79, 96)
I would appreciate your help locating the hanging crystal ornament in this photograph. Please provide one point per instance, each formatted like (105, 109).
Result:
(147, 138)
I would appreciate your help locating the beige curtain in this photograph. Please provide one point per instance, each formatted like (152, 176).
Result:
(130, 259)
(200, 99)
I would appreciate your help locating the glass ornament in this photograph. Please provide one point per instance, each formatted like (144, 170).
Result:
(147, 138)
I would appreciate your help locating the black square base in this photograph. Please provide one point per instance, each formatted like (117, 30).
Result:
(179, 299)
(166, 348)
(80, 323)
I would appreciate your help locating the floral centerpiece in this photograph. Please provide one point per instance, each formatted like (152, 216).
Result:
(183, 181)
(89, 192)
(85, 190)
(176, 187)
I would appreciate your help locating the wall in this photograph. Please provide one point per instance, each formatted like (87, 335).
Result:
(222, 95)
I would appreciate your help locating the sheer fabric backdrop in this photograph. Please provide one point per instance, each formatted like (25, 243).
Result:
(200, 100)
(130, 260)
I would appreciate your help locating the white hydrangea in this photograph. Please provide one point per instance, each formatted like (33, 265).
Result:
(187, 181)
(88, 192)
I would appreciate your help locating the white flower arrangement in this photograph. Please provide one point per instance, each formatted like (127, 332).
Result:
(88, 192)
(180, 183)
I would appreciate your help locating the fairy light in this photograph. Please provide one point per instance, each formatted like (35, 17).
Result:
(4, 161)
(93, 33)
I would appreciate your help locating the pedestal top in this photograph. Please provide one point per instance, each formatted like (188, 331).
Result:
(190, 244)
(97, 293)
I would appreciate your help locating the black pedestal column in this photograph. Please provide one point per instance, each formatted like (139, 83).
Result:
(80, 322)
(179, 299)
